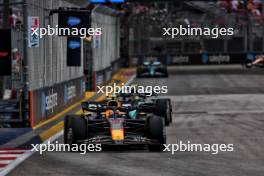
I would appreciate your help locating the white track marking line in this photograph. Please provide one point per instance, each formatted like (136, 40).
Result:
(6, 161)
(10, 155)
(130, 80)
(237, 112)
(26, 155)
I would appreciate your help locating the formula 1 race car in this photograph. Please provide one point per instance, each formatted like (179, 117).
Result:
(160, 106)
(111, 125)
(258, 62)
(250, 65)
(152, 69)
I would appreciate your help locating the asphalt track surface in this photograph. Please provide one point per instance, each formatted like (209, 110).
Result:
(210, 105)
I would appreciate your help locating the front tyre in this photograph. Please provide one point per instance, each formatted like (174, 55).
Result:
(75, 129)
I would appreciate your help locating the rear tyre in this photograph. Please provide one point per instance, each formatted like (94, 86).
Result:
(75, 128)
(138, 74)
(170, 109)
(165, 71)
(156, 131)
(162, 109)
(67, 123)
(166, 75)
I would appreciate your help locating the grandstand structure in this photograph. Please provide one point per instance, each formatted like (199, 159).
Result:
(148, 39)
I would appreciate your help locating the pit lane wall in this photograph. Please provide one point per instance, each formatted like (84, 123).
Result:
(49, 101)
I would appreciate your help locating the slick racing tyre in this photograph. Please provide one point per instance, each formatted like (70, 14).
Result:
(156, 131)
(163, 109)
(170, 109)
(75, 128)
(139, 74)
(166, 75)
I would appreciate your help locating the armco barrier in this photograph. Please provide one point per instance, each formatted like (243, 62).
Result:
(49, 101)
(195, 59)
(115, 66)
(107, 74)
(104, 76)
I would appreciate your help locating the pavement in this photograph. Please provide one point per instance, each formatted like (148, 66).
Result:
(211, 104)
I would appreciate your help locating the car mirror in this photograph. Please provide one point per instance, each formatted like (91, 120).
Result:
(91, 107)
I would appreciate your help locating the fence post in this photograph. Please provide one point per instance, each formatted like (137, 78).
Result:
(25, 63)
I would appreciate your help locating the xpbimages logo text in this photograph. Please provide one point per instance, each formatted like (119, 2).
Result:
(188, 146)
(57, 147)
(50, 31)
(188, 30)
(116, 89)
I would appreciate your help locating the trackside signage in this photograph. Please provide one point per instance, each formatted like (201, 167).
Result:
(69, 93)
(180, 59)
(219, 59)
(33, 39)
(49, 101)
(209, 58)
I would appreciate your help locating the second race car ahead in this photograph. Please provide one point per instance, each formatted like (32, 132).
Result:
(152, 69)
(160, 106)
